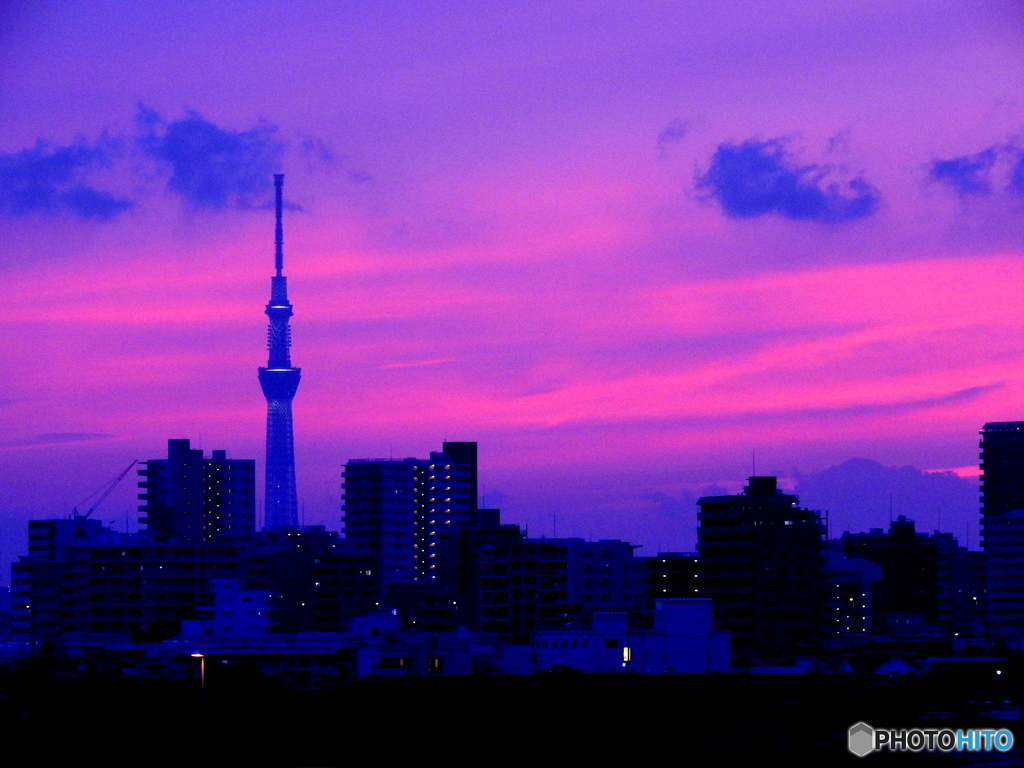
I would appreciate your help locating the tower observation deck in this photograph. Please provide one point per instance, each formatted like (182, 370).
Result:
(279, 381)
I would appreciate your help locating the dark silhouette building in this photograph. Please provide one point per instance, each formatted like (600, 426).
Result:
(85, 579)
(671, 575)
(760, 561)
(532, 583)
(314, 580)
(190, 498)
(924, 575)
(279, 381)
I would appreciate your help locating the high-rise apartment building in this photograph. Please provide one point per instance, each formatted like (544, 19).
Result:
(380, 515)
(760, 560)
(190, 498)
(1002, 524)
(446, 499)
(1002, 508)
(410, 514)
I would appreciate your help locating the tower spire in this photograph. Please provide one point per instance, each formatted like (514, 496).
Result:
(278, 229)
(279, 381)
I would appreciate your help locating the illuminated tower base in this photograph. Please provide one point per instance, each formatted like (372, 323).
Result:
(281, 501)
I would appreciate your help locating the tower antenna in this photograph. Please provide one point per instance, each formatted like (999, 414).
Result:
(279, 228)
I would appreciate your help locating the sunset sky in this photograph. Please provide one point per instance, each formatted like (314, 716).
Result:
(625, 246)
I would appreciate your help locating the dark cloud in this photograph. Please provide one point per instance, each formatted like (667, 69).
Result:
(1017, 174)
(52, 180)
(968, 175)
(755, 178)
(213, 167)
(672, 133)
(318, 150)
(669, 505)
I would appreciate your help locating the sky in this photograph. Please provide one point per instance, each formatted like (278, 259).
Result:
(634, 250)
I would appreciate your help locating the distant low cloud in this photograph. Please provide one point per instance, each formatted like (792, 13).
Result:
(55, 438)
(213, 167)
(52, 179)
(860, 493)
(670, 506)
(672, 133)
(755, 178)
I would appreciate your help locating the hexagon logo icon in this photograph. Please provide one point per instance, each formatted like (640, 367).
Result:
(861, 739)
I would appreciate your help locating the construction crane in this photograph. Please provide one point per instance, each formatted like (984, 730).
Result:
(104, 492)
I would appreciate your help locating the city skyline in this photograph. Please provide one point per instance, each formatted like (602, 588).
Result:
(619, 250)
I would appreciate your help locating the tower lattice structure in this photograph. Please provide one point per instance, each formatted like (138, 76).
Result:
(279, 381)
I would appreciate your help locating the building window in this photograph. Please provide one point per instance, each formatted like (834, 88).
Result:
(611, 642)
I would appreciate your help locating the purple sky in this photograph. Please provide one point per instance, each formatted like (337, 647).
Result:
(620, 245)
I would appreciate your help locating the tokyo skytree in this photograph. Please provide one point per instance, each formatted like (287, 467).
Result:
(279, 381)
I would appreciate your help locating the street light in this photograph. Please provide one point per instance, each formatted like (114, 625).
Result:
(202, 677)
